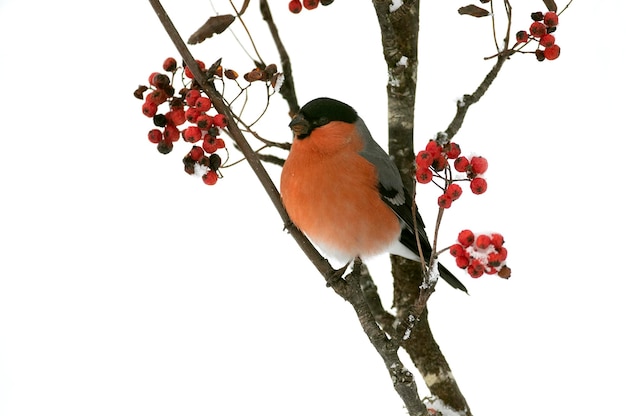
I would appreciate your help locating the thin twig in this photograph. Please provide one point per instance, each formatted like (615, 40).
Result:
(244, 7)
(288, 89)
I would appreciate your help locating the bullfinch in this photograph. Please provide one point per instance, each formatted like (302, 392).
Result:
(344, 192)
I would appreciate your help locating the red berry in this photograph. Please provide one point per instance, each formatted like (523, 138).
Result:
(521, 36)
(209, 144)
(151, 78)
(552, 52)
(155, 136)
(444, 201)
(454, 151)
(462, 260)
(483, 241)
(466, 238)
(171, 133)
(478, 185)
(546, 40)
(454, 191)
(439, 163)
(157, 96)
(203, 104)
(149, 109)
(497, 240)
(461, 164)
(551, 19)
(169, 64)
(538, 29)
(204, 121)
(456, 250)
(295, 6)
(210, 178)
(310, 4)
(191, 97)
(423, 159)
(475, 269)
(192, 114)
(479, 165)
(176, 117)
(196, 153)
(188, 73)
(423, 175)
(192, 134)
(159, 80)
(433, 148)
(220, 143)
(502, 254)
(493, 259)
(220, 121)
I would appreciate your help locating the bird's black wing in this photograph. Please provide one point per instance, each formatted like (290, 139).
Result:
(395, 195)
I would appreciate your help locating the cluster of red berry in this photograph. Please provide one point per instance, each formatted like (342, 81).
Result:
(435, 158)
(295, 6)
(189, 107)
(541, 30)
(481, 254)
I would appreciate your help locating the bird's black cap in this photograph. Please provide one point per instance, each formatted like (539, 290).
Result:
(319, 112)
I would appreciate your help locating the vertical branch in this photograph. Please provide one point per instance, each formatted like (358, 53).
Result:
(399, 35)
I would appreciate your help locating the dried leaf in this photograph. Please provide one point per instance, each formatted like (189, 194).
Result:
(270, 70)
(139, 91)
(505, 272)
(215, 25)
(231, 74)
(550, 4)
(254, 75)
(473, 10)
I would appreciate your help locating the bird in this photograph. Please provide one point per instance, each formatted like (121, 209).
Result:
(344, 192)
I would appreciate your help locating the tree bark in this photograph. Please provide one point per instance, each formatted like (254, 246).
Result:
(399, 32)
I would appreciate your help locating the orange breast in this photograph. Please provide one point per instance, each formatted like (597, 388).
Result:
(331, 194)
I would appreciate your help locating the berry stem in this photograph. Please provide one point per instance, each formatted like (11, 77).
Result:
(239, 13)
(433, 257)
(566, 6)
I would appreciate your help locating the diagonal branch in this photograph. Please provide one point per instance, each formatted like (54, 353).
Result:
(311, 252)
(463, 105)
(348, 288)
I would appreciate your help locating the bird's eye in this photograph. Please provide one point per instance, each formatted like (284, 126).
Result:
(322, 121)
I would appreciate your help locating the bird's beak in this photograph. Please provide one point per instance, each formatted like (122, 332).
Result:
(300, 126)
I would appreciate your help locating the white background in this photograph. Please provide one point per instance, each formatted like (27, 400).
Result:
(128, 288)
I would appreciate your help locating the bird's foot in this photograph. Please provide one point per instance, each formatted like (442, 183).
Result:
(337, 275)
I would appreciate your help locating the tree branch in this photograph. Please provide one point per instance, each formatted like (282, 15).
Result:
(463, 105)
(399, 33)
